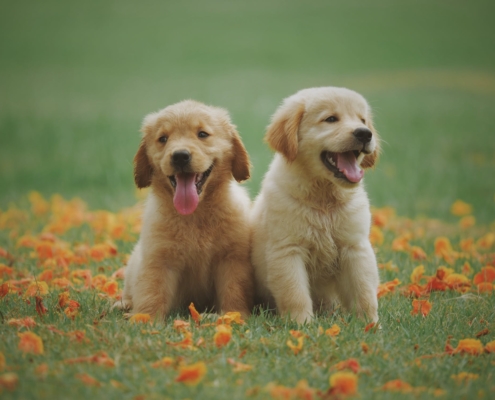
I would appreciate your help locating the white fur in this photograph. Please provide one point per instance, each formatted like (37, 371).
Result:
(310, 231)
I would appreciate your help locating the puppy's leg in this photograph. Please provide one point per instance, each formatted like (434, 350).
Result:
(155, 289)
(234, 282)
(358, 280)
(289, 284)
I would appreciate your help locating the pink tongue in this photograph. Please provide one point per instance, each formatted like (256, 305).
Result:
(186, 197)
(346, 162)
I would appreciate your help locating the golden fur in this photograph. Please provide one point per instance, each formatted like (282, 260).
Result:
(202, 257)
(311, 227)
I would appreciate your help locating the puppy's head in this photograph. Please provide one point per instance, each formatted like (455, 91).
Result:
(328, 131)
(186, 148)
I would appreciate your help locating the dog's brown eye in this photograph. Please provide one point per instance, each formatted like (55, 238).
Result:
(163, 139)
(332, 118)
(203, 134)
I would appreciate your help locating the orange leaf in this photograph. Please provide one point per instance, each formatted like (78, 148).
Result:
(397, 385)
(40, 307)
(333, 331)
(30, 343)
(343, 383)
(296, 348)
(186, 343)
(140, 319)
(196, 316)
(417, 253)
(417, 273)
(88, 380)
(469, 346)
(487, 274)
(180, 325)
(370, 326)
(36, 289)
(9, 381)
(421, 306)
(351, 364)
(4, 290)
(230, 317)
(490, 347)
(223, 335)
(191, 374)
(387, 287)
(26, 322)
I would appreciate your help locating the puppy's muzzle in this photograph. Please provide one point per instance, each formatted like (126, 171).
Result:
(181, 158)
(364, 135)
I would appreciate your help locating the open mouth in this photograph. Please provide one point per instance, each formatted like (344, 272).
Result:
(188, 186)
(345, 166)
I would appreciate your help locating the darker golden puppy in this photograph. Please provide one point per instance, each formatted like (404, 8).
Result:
(194, 244)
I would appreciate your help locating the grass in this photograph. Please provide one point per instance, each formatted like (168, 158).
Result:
(76, 81)
(407, 347)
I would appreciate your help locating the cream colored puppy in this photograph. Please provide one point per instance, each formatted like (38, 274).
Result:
(312, 218)
(194, 244)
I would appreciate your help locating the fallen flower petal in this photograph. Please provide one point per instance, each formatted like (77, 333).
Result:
(196, 316)
(464, 377)
(223, 335)
(191, 374)
(165, 362)
(140, 319)
(30, 343)
(469, 346)
(421, 306)
(296, 348)
(238, 366)
(343, 383)
(490, 347)
(333, 331)
(487, 274)
(397, 385)
(351, 364)
(180, 325)
(88, 380)
(26, 322)
(9, 381)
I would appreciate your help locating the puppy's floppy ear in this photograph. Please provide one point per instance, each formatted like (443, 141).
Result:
(143, 171)
(370, 160)
(240, 163)
(281, 135)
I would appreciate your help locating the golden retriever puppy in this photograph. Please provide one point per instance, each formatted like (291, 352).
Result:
(194, 243)
(312, 219)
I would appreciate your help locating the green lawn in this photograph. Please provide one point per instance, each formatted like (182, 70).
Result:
(76, 80)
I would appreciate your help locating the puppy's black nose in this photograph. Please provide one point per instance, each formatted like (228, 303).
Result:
(181, 158)
(363, 135)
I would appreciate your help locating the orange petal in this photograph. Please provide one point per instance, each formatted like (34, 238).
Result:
(196, 316)
(333, 331)
(343, 383)
(469, 346)
(30, 343)
(223, 335)
(191, 374)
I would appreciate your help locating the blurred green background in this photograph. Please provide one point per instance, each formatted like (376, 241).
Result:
(76, 79)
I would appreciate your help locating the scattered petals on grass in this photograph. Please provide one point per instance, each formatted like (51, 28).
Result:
(422, 307)
(296, 347)
(191, 374)
(238, 366)
(460, 208)
(333, 331)
(351, 364)
(140, 319)
(487, 274)
(397, 385)
(231, 317)
(417, 273)
(387, 287)
(301, 391)
(417, 253)
(9, 381)
(195, 315)
(223, 335)
(464, 377)
(26, 322)
(343, 383)
(36, 289)
(186, 343)
(490, 347)
(165, 362)
(30, 342)
(469, 346)
(100, 358)
(371, 327)
(181, 325)
(88, 380)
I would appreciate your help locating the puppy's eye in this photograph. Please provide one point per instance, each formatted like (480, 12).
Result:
(163, 139)
(203, 134)
(331, 119)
